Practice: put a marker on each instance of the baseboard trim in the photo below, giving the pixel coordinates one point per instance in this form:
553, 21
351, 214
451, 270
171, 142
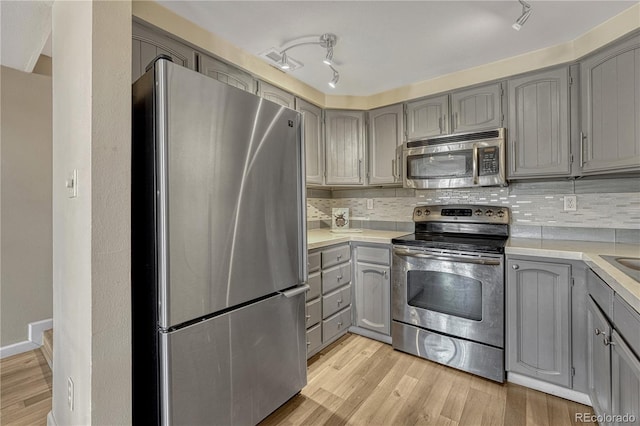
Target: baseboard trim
370, 334
51, 421
545, 387
35, 339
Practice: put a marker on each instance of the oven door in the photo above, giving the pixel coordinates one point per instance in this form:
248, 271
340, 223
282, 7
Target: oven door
457, 293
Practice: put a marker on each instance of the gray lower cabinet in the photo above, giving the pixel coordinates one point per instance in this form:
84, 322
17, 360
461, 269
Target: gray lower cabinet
275, 94
478, 108
610, 97
386, 131
427, 117
539, 320
313, 141
625, 380
226, 73
539, 125
329, 297
598, 359
344, 147
372, 286
146, 44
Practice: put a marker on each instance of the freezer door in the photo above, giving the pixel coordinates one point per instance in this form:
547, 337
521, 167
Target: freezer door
231, 196
237, 368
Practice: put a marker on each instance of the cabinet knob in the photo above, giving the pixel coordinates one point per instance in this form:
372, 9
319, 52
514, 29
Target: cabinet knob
308, 317
384, 274
606, 341
339, 302
515, 266
339, 256
308, 343
597, 331
339, 277
340, 324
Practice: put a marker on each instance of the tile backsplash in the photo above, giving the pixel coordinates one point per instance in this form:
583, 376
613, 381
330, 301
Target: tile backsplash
536, 207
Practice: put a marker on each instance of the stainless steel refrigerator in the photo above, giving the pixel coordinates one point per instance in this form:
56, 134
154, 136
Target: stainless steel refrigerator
218, 251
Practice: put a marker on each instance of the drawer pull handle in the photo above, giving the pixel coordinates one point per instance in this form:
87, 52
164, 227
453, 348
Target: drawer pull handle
308, 317
339, 302
339, 256
308, 343
339, 277
340, 324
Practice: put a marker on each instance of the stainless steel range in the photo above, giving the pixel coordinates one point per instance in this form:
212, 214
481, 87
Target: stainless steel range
448, 287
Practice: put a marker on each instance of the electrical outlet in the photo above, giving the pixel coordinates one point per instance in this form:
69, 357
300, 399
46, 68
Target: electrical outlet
369, 203
570, 203
70, 395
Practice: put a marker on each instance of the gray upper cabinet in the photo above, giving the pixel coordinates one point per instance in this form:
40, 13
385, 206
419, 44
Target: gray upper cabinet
373, 297
539, 320
274, 94
313, 141
385, 145
598, 359
477, 109
539, 125
344, 147
427, 117
610, 82
146, 44
226, 73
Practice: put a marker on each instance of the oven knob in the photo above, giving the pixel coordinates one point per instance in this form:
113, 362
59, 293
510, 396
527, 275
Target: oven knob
500, 213
489, 212
427, 212
478, 212
418, 212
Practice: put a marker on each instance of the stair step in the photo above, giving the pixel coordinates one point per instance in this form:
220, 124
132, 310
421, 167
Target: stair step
47, 347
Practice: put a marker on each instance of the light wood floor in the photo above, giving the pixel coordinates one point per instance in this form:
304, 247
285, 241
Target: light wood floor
358, 381
25, 389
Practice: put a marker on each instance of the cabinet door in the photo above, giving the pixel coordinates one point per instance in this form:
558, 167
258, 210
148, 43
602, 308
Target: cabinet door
539, 327
226, 73
274, 94
539, 125
598, 360
428, 117
385, 145
344, 147
147, 44
625, 380
477, 109
610, 109
373, 298
313, 141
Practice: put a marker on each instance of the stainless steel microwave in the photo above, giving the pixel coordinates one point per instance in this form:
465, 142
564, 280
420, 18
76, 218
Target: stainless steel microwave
456, 161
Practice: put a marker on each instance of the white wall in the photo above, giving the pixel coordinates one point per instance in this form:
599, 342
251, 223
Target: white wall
25, 254
91, 233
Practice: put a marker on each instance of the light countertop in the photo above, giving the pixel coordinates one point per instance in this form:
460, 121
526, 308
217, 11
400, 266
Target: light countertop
587, 251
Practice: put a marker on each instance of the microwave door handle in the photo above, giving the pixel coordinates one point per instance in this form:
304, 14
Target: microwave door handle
475, 261
475, 165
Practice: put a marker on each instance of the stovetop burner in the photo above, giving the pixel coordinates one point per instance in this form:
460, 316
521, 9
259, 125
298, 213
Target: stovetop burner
459, 227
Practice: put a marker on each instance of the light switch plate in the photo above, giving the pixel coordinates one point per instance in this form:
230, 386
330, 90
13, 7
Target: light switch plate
72, 184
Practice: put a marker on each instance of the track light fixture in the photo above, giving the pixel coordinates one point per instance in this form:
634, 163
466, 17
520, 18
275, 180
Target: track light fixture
336, 77
526, 12
326, 41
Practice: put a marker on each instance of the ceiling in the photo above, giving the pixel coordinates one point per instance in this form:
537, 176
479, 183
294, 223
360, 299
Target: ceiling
383, 45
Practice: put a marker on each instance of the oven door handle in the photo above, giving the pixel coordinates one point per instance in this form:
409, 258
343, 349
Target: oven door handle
475, 261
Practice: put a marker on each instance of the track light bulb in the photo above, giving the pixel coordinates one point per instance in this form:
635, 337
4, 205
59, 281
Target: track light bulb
526, 12
284, 62
334, 80
328, 60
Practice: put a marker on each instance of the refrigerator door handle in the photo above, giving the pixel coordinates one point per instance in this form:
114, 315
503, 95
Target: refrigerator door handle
295, 291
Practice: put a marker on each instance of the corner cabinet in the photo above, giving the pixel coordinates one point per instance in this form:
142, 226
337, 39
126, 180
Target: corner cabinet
225, 73
313, 141
386, 130
427, 117
478, 108
610, 109
373, 288
539, 125
344, 147
539, 320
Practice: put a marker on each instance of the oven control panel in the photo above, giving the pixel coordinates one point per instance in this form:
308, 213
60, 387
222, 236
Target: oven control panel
464, 213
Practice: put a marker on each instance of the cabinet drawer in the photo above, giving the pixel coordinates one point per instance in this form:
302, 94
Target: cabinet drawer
314, 338
313, 261
600, 292
336, 255
313, 312
333, 302
337, 324
627, 321
315, 285
379, 255
335, 277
